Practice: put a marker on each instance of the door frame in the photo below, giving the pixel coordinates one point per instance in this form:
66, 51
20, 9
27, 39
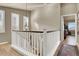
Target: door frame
62, 26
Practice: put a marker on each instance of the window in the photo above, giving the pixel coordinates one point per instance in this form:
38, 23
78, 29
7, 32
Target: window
71, 25
2, 21
15, 21
25, 23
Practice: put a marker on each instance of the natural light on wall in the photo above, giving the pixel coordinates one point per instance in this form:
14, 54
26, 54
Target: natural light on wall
2, 21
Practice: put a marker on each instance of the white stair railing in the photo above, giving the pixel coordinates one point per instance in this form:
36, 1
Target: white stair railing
35, 42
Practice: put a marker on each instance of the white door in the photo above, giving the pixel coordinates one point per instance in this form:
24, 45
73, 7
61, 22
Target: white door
62, 28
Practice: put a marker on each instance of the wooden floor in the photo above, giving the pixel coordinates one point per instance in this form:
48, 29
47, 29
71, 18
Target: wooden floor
6, 50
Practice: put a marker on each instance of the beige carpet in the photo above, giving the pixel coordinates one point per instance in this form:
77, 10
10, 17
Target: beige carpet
68, 50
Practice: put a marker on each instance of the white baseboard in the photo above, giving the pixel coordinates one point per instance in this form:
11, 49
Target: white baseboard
3, 43
58, 48
22, 52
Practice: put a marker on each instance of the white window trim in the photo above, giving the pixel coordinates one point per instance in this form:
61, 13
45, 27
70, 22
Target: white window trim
2, 11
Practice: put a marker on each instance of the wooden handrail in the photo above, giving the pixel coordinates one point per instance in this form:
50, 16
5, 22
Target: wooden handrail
52, 31
36, 31
28, 31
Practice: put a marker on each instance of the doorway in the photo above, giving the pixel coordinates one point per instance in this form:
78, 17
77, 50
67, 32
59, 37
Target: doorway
69, 29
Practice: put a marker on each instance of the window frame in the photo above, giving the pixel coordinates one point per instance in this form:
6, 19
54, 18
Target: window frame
12, 25
3, 18
25, 17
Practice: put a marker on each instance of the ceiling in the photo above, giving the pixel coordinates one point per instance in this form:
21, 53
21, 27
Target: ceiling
14, 5
32, 6
69, 18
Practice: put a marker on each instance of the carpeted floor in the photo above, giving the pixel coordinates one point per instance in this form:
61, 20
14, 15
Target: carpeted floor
68, 50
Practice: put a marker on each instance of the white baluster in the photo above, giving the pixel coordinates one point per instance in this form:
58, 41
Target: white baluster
44, 41
28, 41
25, 41
40, 47
16, 38
32, 41
38, 44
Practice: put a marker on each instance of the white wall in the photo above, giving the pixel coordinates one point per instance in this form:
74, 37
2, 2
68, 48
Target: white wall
6, 36
47, 17
68, 8
77, 6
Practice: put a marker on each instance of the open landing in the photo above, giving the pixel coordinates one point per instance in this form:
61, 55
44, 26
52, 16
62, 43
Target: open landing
69, 48
6, 50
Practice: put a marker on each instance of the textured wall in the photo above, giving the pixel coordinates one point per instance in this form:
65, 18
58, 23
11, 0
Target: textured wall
47, 17
68, 8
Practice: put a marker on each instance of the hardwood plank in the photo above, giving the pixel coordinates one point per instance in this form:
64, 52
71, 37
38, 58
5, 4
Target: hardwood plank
6, 50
